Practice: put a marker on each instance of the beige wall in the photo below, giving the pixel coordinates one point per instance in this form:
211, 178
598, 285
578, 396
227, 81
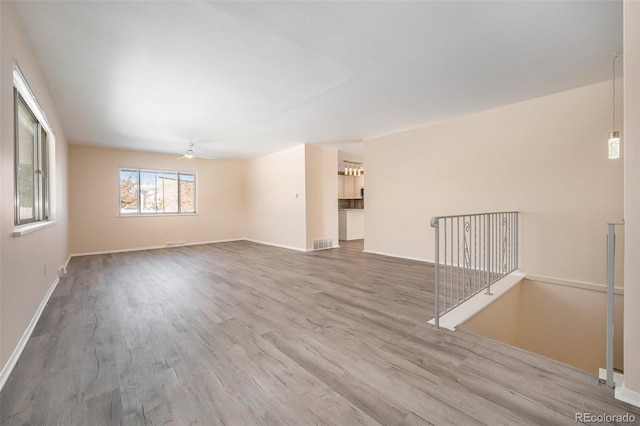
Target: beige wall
558, 321
569, 324
236, 199
276, 198
23, 282
93, 207
546, 158
631, 146
501, 319
321, 186
2, 155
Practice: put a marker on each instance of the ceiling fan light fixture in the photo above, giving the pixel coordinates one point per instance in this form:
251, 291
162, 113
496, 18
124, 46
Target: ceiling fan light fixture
189, 153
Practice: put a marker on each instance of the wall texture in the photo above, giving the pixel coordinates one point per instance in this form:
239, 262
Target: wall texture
569, 324
631, 146
546, 158
93, 206
321, 190
236, 199
501, 319
23, 280
561, 322
276, 199
3, 357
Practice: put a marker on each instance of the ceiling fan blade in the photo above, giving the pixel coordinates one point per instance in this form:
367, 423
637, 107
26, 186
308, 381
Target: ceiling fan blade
191, 154
207, 158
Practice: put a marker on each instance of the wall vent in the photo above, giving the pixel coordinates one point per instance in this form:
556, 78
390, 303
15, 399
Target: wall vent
323, 244
175, 243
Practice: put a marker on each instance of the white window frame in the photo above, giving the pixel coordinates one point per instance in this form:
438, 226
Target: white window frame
44, 154
139, 212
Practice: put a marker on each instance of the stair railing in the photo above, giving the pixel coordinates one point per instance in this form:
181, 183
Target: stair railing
611, 261
472, 252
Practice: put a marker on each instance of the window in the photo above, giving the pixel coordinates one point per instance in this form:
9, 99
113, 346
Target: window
32, 137
157, 192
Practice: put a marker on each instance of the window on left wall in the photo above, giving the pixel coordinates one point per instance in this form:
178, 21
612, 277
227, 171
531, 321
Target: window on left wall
33, 141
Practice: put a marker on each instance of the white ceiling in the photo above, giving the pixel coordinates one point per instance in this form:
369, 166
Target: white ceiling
242, 79
350, 152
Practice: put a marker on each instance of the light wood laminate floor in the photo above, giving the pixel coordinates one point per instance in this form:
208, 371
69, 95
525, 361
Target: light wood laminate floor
242, 334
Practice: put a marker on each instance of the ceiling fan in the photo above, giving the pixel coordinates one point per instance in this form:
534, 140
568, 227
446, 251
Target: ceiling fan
190, 154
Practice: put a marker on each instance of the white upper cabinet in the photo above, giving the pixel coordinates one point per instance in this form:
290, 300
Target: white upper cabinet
349, 186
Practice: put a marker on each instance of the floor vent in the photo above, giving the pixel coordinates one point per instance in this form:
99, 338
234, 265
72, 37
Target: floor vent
175, 244
323, 244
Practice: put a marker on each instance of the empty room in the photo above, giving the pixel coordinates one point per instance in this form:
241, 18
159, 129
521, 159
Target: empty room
319, 212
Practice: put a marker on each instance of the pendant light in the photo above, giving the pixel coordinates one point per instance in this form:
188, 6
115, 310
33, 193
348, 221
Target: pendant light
614, 136
352, 168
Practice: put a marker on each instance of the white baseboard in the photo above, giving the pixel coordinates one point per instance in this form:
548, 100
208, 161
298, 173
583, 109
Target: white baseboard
199, 243
276, 245
22, 343
627, 395
622, 393
398, 256
571, 283
91, 253
618, 378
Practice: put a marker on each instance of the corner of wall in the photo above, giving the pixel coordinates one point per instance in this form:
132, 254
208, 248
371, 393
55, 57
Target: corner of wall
321, 192
631, 158
276, 198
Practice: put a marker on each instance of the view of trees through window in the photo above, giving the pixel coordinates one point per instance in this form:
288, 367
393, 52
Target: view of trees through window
156, 192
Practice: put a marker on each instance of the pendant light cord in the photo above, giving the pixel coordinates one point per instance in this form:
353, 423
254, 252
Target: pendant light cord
613, 127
